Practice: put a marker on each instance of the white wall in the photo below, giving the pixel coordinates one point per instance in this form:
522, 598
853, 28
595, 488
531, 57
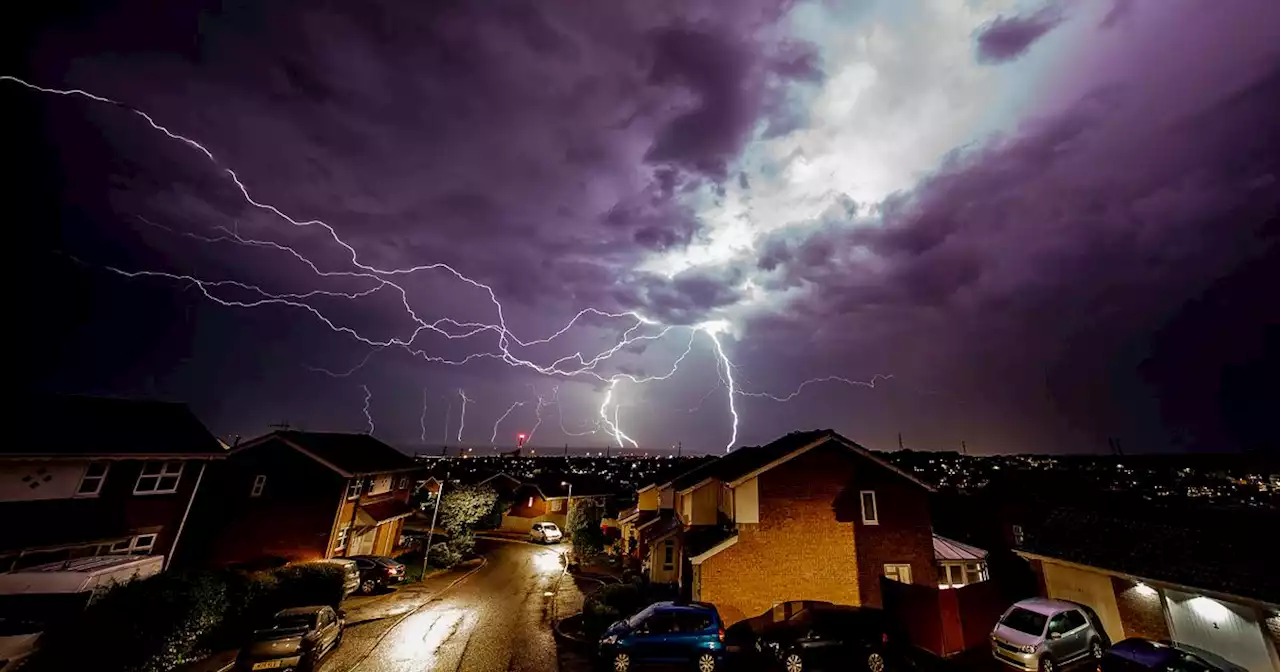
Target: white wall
1230, 630
746, 502
53, 479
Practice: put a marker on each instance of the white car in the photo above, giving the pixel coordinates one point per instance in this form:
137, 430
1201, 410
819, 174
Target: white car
546, 533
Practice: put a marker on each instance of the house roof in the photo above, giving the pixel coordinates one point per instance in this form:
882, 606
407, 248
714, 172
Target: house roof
385, 510
584, 485
347, 454
748, 461
78, 426
1223, 551
950, 549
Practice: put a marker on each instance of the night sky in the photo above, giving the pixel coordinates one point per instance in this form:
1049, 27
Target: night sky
1025, 226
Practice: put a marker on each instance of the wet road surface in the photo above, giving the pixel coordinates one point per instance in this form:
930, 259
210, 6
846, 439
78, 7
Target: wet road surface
497, 619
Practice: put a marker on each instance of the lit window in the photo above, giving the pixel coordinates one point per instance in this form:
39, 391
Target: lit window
900, 573
94, 476
404, 483
353, 488
341, 542
870, 514
158, 478
259, 482
530, 504
139, 545
557, 505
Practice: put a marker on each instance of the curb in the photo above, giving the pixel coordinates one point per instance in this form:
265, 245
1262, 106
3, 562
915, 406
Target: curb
563, 636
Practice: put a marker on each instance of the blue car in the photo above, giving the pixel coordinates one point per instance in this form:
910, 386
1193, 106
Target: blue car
666, 632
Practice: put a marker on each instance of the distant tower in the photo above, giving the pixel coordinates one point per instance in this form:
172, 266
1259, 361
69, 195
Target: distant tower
679, 448
900, 441
964, 450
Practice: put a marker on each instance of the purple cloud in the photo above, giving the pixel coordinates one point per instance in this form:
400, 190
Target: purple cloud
1008, 37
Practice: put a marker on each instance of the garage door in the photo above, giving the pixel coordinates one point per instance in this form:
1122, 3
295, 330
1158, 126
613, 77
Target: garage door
1094, 590
1227, 629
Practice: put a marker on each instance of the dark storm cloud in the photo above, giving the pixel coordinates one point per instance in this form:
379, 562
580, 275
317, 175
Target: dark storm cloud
685, 299
1008, 37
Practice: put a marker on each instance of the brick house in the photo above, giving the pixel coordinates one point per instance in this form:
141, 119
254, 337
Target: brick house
810, 516
306, 496
544, 498
97, 476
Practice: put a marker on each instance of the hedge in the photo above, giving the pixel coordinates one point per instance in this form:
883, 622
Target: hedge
156, 624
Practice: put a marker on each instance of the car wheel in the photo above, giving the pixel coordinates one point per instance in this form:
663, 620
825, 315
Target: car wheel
1046, 665
621, 662
875, 662
706, 663
793, 663
1096, 649
368, 587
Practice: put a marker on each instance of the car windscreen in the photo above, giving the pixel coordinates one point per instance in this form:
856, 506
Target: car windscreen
286, 626
550, 527
29, 613
1026, 621
639, 618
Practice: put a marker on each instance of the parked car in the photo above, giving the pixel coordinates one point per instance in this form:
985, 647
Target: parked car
1045, 634
546, 533
1143, 655
666, 632
828, 637
36, 598
295, 641
350, 574
378, 572
742, 636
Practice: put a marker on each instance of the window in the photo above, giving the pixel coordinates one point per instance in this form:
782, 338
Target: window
1075, 620
557, 505
974, 572
660, 623
669, 555
94, 476
530, 504
353, 488
139, 545
1058, 625
259, 482
900, 573
341, 542
870, 515
1017, 535
691, 622
404, 483
158, 478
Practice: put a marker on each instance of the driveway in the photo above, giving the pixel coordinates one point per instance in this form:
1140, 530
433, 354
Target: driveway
497, 619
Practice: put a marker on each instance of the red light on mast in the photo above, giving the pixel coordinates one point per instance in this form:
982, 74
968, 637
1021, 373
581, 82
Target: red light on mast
520, 440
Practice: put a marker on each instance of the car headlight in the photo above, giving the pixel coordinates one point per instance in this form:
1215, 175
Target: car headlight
1027, 648
610, 639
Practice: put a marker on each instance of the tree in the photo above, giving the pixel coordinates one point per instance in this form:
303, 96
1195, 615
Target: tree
584, 528
464, 506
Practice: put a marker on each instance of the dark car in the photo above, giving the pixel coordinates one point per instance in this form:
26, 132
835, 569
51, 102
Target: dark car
821, 636
295, 641
1143, 655
378, 572
689, 633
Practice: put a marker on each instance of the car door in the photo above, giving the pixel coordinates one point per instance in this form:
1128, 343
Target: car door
652, 641
1059, 647
822, 643
1078, 633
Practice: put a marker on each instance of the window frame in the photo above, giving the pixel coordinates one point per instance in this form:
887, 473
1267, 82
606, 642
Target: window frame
340, 540
874, 519
897, 568
557, 505
159, 477
403, 483
355, 487
99, 479
259, 484
1059, 617
668, 555
135, 545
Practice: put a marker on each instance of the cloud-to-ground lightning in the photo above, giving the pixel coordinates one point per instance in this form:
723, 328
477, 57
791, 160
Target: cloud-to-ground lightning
462, 419
448, 415
422, 419
368, 397
537, 410
574, 365
494, 439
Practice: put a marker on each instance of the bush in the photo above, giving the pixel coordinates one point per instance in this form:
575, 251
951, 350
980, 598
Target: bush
443, 556
151, 625
463, 542
155, 624
610, 604
584, 528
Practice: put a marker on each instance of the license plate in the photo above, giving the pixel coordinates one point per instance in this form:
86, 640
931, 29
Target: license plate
268, 664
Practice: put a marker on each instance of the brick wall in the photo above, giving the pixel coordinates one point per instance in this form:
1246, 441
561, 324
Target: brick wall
798, 550
904, 534
1140, 612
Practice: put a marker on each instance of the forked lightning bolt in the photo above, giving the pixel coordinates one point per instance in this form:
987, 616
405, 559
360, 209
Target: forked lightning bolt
493, 440
368, 396
576, 364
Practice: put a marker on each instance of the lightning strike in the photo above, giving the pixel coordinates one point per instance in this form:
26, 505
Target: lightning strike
368, 396
422, 419
825, 379
462, 420
569, 366
493, 440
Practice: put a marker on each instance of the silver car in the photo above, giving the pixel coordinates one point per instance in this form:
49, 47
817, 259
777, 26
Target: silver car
1042, 635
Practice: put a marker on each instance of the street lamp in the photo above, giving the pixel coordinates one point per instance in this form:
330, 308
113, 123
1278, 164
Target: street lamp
568, 516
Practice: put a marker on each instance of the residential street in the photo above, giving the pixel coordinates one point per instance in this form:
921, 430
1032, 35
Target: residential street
499, 619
